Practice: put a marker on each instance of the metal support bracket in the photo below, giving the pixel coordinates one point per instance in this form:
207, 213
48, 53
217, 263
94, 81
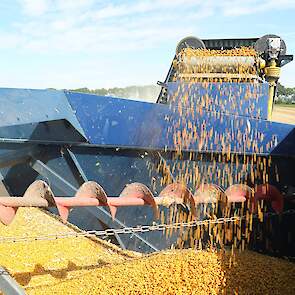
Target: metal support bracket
8, 285
17, 156
81, 178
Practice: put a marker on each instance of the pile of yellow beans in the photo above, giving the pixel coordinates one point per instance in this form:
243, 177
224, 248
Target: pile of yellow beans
179, 272
242, 51
48, 262
79, 265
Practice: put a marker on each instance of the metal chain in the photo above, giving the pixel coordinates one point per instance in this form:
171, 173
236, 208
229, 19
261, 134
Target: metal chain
125, 230
132, 230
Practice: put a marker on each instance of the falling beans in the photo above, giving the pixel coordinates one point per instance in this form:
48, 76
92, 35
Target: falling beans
226, 167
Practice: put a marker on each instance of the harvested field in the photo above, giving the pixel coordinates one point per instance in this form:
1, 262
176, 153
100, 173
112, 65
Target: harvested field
284, 114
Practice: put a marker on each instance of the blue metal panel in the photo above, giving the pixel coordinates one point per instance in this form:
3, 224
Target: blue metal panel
23, 106
113, 121
287, 146
49, 131
70, 189
245, 99
122, 122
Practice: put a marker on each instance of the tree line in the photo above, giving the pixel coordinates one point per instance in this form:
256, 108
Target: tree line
147, 92
151, 92
285, 91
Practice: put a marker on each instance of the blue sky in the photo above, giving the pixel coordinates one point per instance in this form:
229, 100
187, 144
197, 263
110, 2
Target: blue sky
92, 43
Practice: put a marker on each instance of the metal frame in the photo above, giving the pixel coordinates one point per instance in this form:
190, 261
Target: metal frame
17, 156
8, 285
33, 153
70, 189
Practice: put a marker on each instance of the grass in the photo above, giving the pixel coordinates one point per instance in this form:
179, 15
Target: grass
284, 105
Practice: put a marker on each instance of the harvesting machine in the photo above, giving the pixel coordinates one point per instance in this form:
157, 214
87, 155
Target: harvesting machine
104, 162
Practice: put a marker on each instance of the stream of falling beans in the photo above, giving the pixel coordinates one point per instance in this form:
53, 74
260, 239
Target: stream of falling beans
225, 167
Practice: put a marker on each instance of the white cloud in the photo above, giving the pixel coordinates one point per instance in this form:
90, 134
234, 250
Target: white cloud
112, 10
70, 5
35, 7
102, 29
9, 41
238, 7
83, 26
89, 25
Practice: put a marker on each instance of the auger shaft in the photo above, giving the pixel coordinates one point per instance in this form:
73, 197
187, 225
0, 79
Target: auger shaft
77, 202
111, 201
23, 202
91, 193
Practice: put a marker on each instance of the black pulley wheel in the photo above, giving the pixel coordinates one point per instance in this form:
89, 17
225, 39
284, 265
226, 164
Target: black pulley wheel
190, 42
261, 44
